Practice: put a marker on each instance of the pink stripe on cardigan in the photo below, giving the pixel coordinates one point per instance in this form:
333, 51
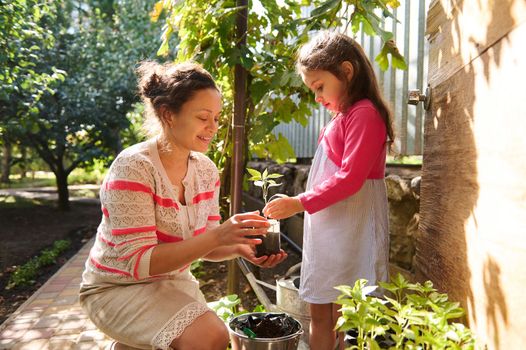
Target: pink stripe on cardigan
164, 237
130, 230
126, 257
199, 231
125, 185
203, 196
109, 269
136, 268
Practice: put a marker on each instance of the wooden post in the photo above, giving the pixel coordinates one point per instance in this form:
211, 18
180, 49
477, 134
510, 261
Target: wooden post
238, 132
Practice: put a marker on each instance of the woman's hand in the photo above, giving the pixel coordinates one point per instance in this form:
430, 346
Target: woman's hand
248, 252
239, 228
283, 207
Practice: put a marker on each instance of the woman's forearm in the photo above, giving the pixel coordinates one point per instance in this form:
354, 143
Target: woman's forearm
223, 253
172, 256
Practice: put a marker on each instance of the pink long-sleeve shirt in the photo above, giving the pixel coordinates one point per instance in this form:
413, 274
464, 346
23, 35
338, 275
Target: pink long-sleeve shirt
356, 143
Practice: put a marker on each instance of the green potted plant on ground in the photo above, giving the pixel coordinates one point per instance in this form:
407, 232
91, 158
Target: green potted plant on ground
410, 316
271, 241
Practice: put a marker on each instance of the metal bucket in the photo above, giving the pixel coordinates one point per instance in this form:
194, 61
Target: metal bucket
289, 301
241, 341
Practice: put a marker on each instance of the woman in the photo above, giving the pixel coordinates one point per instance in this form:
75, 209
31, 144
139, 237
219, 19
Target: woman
160, 213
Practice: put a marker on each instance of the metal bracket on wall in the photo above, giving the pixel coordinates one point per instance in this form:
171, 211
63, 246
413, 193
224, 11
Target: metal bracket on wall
414, 97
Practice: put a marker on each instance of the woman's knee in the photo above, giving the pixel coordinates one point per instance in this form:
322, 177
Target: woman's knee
206, 332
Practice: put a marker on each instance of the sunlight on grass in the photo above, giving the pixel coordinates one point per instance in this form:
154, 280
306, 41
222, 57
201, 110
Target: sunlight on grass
406, 160
19, 202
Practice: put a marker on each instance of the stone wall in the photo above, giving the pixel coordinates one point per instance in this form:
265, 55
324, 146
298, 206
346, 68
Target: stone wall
403, 189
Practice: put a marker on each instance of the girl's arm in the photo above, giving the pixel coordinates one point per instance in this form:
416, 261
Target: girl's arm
364, 139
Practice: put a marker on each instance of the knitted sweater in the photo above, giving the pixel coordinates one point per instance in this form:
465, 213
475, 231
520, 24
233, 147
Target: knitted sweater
141, 210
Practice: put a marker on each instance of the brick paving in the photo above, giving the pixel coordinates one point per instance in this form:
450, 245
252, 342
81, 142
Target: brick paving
52, 317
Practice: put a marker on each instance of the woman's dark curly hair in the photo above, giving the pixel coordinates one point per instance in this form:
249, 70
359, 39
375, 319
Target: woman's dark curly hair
170, 85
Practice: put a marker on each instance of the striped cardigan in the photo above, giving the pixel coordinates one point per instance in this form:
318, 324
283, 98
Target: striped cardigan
141, 210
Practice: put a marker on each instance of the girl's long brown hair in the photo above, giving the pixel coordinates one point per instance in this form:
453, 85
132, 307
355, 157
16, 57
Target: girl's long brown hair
327, 51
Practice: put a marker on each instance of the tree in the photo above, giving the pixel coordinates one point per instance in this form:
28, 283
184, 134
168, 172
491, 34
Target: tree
23, 77
83, 118
205, 32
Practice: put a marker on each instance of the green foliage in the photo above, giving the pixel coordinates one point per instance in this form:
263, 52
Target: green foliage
413, 160
205, 31
197, 268
96, 45
415, 316
15, 202
92, 174
25, 37
26, 274
227, 307
263, 180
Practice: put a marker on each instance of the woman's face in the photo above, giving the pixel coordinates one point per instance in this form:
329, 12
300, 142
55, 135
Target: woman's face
328, 89
194, 126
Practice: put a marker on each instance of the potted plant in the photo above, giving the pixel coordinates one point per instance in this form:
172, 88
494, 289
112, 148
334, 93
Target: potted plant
410, 316
271, 241
258, 329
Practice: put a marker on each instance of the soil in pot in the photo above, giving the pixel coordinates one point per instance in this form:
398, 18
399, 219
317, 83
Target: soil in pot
265, 325
271, 242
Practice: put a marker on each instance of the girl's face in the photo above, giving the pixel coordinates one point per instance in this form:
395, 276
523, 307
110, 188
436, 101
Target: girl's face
330, 91
194, 126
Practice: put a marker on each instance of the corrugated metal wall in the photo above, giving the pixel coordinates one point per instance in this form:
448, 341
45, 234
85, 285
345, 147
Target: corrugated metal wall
409, 35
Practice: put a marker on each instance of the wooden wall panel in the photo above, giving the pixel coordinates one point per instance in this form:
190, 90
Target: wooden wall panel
462, 30
472, 240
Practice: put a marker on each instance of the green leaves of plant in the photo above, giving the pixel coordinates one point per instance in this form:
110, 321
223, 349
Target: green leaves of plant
416, 317
263, 180
226, 307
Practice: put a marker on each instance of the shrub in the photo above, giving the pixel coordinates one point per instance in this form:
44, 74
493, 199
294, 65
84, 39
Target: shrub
26, 274
415, 316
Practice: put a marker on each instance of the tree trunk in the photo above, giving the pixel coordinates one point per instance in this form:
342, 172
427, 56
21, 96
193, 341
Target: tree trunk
23, 162
6, 159
62, 187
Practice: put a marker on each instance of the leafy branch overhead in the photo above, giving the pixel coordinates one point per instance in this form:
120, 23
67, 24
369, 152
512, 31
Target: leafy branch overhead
363, 14
205, 32
263, 180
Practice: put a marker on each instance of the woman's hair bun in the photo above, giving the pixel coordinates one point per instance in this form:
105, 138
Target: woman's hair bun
151, 83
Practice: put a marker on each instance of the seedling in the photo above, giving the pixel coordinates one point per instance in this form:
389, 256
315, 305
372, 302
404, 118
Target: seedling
271, 243
264, 180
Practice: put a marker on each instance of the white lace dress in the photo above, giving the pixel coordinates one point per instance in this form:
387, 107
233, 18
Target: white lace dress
140, 211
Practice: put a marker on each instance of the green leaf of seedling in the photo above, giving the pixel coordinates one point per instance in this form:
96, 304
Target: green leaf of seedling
274, 176
254, 173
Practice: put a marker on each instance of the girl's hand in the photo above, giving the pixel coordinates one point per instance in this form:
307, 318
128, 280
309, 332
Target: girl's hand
248, 252
283, 207
239, 228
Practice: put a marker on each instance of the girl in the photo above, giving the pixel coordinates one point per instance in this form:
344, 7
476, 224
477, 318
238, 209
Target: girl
161, 212
346, 233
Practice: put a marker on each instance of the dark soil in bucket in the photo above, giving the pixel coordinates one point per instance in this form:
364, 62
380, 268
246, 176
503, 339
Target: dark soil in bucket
265, 325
